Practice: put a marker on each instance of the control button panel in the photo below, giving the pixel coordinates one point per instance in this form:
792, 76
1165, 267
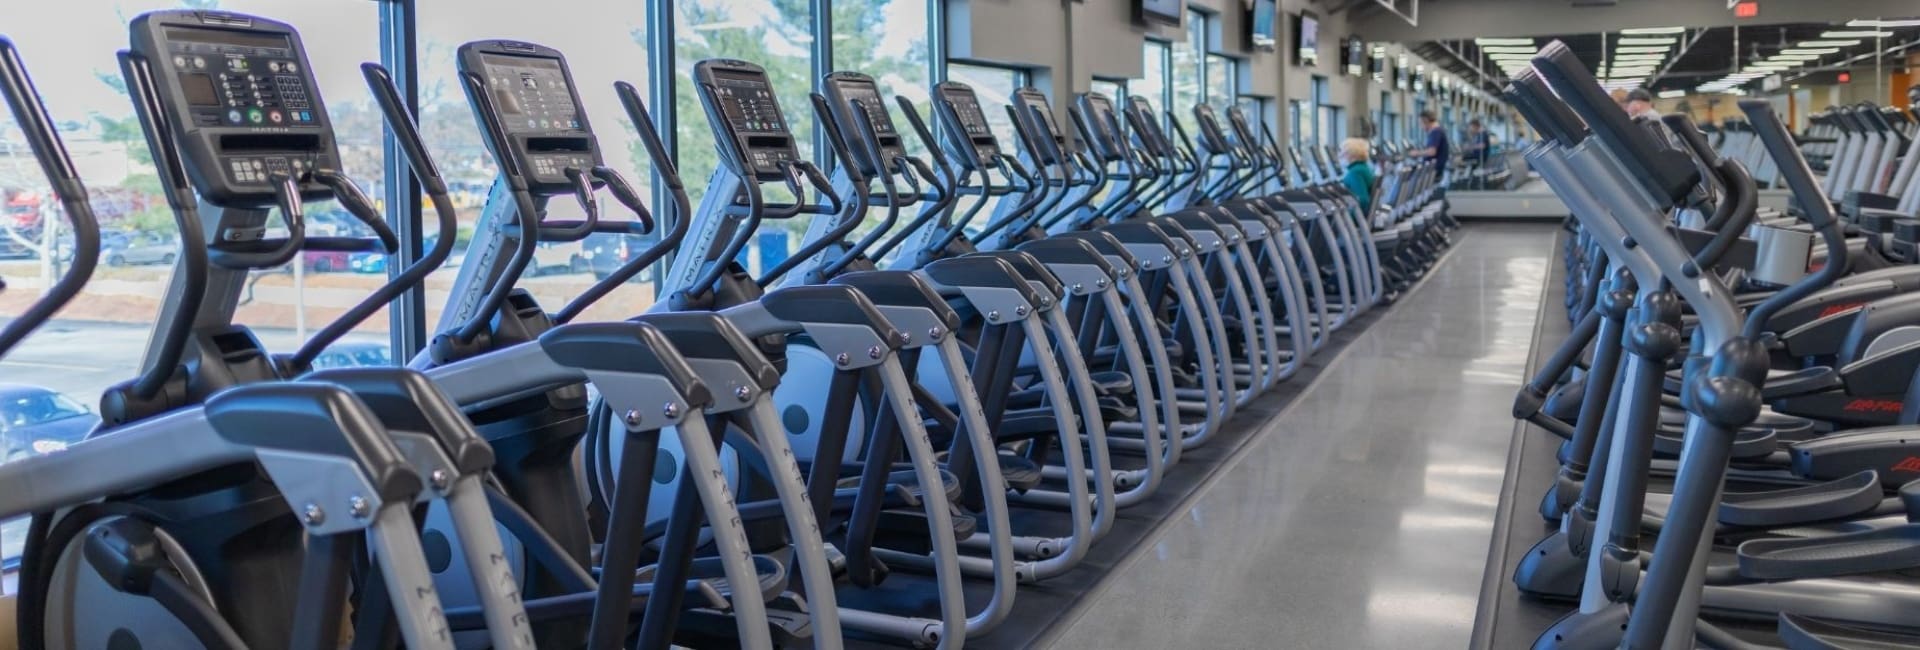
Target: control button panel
241, 79
973, 122
747, 103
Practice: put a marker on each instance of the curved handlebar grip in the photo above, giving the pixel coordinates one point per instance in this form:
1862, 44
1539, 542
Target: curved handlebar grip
575, 231
400, 123
267, 253
623, 192
31, 114
926, 136
138, 74
1793, 167
348, 194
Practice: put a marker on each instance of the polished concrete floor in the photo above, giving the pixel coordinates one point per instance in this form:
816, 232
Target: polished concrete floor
1359, 517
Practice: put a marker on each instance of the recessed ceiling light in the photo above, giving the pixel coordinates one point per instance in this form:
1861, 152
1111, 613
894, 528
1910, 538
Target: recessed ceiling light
1504, 41
1864, 33
1654, 30
1870, 22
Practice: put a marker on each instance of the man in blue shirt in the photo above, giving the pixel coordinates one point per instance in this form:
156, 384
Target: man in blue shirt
1479, 143
1438, 149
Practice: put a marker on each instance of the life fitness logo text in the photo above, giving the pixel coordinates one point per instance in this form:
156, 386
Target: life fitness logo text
1864, 405
1911, 465
1840, 308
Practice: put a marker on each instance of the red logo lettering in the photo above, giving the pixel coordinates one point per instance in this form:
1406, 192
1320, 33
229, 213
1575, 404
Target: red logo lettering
1864, 405
1840, 308
1910, 465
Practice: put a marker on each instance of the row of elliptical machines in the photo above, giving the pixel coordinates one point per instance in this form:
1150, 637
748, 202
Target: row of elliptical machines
751, 462
1735, 395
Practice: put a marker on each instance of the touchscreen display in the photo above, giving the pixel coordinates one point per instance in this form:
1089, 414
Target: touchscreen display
531, 93
747, 102
869, 99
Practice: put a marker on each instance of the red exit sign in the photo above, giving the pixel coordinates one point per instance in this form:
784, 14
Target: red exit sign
1746, 9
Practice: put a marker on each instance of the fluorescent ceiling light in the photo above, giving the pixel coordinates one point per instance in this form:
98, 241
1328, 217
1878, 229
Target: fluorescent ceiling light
1814, 51
1509, 49
1795, 57
1504, 41
1844, 43
1869, 22
1862, 33
1655, 30
1641, 49
1670, 94
1648, 41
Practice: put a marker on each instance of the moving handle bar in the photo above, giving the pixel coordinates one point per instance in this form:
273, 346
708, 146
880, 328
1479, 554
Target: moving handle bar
31, 113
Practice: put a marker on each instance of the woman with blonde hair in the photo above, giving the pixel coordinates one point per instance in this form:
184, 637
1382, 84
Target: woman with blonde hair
1360, 175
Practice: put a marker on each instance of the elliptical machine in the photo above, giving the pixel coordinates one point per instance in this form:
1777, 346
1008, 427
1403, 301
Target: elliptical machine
254, 496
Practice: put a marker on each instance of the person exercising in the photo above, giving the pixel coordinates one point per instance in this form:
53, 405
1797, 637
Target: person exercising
1640, 105
1360, 175
1479, 143
1438, 149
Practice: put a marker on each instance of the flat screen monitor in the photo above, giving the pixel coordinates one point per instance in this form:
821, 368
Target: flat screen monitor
1164, 12
1264, 25
1354, 56
1307, 36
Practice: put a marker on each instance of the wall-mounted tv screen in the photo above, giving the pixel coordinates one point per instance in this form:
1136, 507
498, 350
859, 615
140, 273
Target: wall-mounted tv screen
1354, 56
1306, 36
1263, 24
1377, 66
1401, 74
1163, 12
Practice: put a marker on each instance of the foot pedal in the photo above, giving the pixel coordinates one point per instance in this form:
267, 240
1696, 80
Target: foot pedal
1836, 499
1020, 473
1872, 551
1803, 633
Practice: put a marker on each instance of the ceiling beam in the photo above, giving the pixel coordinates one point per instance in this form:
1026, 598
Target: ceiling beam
1688, 45
1484, 81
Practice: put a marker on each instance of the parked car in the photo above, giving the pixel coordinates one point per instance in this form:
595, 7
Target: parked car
35, 421
325, 261
367, 262
144, 248
605, 252
557, 258
354, 354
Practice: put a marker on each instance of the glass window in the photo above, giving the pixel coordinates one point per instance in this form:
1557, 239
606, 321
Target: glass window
1154, 69
609, 48
775, 35
995, 87
99, 339
1220, 81
1302, 122
888, 40
1187, 74
1115, 90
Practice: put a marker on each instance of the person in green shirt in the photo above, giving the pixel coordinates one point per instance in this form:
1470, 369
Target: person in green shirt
1360, 175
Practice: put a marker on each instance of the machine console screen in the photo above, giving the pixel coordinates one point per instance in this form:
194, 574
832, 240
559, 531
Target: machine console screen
973, 122
532, 94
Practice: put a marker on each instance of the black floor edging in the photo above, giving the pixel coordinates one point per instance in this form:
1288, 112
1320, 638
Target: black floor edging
1506, 618
1039, 608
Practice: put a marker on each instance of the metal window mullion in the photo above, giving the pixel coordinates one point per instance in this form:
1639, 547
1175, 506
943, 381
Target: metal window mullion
662, 93
822, 65
399, 52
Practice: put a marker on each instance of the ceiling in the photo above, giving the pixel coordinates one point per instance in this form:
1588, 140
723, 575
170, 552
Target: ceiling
1704, 55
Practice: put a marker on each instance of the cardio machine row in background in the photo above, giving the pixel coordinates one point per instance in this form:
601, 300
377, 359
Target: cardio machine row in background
1738, 460
919, 418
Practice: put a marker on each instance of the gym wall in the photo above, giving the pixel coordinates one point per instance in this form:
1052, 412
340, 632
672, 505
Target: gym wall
1066, 43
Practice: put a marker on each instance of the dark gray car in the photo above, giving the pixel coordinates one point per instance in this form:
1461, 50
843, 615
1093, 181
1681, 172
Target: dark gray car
36, 421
